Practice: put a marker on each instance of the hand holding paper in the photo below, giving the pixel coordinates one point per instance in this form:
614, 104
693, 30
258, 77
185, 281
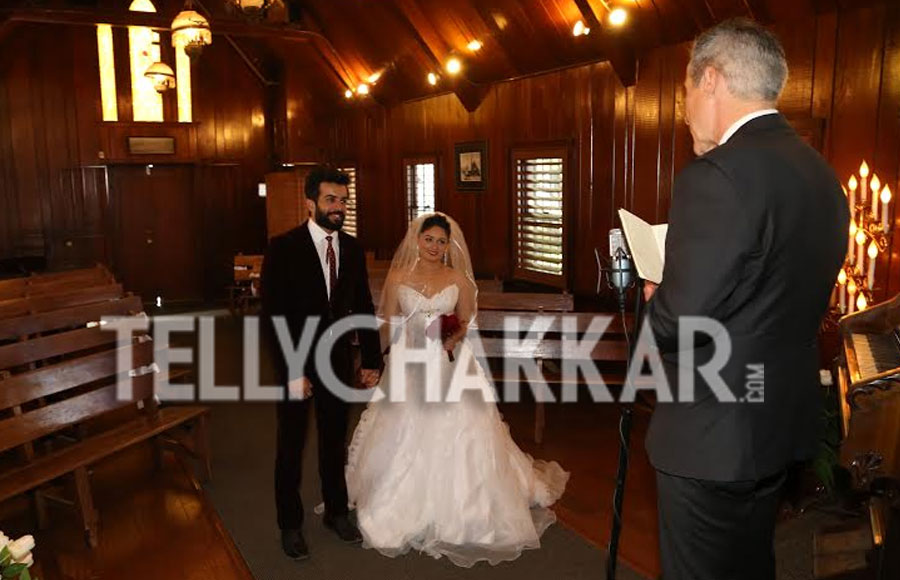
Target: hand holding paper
647, 245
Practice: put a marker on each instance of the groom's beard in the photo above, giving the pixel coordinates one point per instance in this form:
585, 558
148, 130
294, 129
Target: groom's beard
330, 221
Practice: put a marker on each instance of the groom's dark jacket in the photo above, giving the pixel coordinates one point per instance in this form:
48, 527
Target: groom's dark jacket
293, 286
757, 233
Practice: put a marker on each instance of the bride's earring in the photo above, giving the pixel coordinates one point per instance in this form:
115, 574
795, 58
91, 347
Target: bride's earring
444, 258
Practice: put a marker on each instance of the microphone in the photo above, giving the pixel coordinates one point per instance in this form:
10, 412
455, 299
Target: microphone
621, 272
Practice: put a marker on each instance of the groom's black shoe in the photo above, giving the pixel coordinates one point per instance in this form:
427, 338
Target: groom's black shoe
343, 527
294, 545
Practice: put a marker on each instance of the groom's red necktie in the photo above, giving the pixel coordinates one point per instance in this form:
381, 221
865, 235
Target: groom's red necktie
332, 269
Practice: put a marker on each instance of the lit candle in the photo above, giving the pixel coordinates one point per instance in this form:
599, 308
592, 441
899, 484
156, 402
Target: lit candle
851, 290
860, 243
861, 302
876, 186
853, 185
864, 173
873, 255
885, 214
842, 291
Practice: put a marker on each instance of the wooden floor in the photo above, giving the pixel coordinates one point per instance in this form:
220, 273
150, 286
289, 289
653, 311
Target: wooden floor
583, 438
153, 525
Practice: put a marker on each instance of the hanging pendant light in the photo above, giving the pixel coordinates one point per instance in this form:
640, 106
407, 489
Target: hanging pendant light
253, 9
162, 76
190, 31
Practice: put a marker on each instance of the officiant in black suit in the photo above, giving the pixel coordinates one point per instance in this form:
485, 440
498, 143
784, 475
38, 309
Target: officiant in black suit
757, 234
317, 270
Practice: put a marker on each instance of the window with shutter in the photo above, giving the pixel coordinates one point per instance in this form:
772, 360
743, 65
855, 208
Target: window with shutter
539, 182
350, 218
420, 175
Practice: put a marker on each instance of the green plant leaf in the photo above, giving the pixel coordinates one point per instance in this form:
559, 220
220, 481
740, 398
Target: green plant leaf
14, 570
26, 575
5, 556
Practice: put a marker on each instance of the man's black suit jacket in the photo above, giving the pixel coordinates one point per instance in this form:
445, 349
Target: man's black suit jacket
293, 286
757, 234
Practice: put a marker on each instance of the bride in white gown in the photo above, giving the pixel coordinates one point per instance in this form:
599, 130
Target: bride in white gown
445, 477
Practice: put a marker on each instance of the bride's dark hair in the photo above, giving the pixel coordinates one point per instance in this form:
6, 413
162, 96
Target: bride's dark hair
436, 220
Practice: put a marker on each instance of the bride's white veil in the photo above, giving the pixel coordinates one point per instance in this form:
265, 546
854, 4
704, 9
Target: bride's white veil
407, 257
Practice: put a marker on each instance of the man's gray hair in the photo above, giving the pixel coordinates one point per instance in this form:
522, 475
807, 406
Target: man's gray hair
749, 57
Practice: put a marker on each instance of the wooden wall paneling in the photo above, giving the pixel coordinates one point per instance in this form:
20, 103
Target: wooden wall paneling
857, 86
28, 153
887, 156
123, 75
88, 108
647, 127
9, 212
799, 42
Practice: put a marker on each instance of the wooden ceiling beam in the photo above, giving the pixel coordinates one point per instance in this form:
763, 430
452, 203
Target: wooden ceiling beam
434, 47
234, 28
618, 51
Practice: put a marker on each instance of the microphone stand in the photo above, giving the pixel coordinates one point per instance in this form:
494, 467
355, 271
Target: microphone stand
621, 279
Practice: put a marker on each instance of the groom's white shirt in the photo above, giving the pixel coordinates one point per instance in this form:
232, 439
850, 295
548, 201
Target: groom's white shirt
318, 237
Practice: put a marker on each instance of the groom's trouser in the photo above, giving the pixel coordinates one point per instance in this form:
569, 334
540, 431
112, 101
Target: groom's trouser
712, 530
331, 423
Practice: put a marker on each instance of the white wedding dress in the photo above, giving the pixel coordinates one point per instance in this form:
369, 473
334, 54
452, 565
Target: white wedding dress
445, 478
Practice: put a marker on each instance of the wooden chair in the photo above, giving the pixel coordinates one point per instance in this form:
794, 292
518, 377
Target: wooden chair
245, 291
611, 350
76, 387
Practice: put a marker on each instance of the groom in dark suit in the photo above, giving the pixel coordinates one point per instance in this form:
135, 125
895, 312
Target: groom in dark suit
757, 234
317, 270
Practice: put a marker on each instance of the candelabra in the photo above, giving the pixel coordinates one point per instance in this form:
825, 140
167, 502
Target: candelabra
870, 214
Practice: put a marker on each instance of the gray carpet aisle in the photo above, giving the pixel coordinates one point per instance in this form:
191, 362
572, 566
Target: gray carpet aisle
243, 437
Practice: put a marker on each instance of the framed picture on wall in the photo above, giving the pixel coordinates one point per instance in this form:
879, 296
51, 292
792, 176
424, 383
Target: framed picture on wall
471, 166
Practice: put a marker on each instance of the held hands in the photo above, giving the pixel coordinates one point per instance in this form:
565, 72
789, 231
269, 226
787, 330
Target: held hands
649, 290
299, 389
369, 377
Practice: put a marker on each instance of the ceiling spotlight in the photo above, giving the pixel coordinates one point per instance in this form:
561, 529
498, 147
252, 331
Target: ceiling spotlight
453, 66
373, 78
618, 16
348, 94
432, 79
362, 89
474, 46
580, 29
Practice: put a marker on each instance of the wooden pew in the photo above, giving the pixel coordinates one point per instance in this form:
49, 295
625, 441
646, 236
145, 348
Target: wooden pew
76, 386
611, 350
526, 301
245, 290
54, 282
64, 298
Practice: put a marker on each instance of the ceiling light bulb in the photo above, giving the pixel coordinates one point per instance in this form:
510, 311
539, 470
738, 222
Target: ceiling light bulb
432, 79
348, 94
618, 16
474, 46
578, 29
362, 89
454, 65
373, 78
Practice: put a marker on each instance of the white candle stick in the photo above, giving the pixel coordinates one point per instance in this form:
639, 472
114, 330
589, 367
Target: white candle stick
859, 255
843, 298
876, 187
871, 278
885, 212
